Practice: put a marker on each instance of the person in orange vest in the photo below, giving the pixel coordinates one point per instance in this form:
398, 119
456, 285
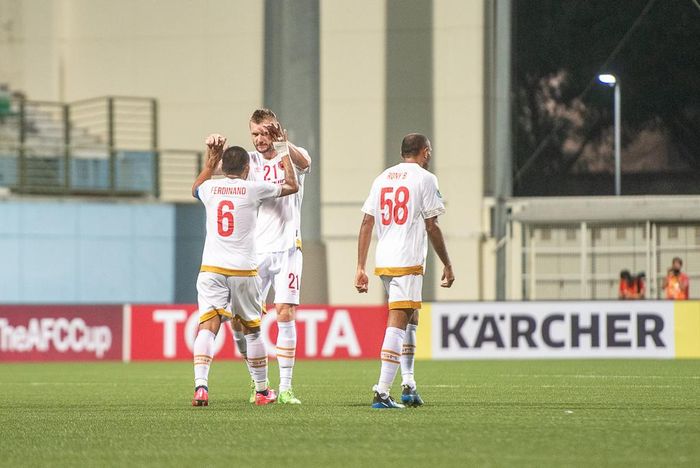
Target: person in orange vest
641, 281
631, 287
676, 282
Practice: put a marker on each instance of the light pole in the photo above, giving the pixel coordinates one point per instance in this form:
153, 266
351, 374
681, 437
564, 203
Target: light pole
611, 80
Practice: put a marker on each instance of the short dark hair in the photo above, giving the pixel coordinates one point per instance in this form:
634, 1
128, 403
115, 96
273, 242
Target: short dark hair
413, 143
234, 160
261, 115
679, 259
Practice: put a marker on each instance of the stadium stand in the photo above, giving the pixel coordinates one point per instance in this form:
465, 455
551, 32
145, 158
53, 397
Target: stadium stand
100, 146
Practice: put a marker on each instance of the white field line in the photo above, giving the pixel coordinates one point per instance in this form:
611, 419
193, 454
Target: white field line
584, 376
491, 385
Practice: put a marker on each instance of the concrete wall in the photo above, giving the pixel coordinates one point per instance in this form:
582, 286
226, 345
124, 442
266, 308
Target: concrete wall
356, 95
458, 68
201, 60
86, 252
353, 103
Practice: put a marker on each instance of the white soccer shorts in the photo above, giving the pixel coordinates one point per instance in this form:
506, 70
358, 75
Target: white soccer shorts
405, 292
229, 295
282, 271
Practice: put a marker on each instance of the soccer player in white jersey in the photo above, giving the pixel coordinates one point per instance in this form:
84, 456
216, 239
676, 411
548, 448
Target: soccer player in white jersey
227, 284
402, 208
278, 237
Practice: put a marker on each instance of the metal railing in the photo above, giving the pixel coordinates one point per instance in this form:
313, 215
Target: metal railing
99, 146
584, 260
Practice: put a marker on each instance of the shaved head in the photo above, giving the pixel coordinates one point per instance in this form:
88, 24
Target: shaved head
413, 143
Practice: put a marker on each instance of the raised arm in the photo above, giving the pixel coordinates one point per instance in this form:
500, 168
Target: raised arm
280, 134
438, 241
291, 181
298, 157
215, 149
363, 242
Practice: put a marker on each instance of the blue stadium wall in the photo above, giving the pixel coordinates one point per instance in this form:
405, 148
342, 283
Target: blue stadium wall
75, 252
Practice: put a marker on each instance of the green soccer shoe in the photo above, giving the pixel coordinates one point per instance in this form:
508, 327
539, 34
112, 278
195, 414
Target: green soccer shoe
287, 398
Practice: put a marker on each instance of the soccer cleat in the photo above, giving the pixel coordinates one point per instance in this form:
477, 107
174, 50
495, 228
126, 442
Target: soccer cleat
251, 399
287, 398
201, 396
385, 402
410, 396
261, 399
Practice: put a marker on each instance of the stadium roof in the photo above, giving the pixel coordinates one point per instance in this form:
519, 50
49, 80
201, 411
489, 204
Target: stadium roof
605, 209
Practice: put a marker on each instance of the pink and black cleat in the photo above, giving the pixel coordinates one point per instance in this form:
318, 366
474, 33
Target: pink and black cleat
201, 396
266, 397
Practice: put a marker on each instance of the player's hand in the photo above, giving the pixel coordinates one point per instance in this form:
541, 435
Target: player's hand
361, 281
215, 149
276, 132
215, 142
448, 277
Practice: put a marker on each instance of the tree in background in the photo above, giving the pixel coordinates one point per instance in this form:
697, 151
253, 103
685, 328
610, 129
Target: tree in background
563, 119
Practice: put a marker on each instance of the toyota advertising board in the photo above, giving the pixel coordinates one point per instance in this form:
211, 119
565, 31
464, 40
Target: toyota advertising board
323, 332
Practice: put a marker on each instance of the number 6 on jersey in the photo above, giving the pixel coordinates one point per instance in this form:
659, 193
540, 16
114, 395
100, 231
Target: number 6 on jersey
221, 216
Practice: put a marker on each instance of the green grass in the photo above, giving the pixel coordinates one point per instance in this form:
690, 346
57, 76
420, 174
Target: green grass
485, 413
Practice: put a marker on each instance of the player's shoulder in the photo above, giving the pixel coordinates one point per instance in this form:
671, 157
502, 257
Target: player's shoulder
420, 170
390, 170
203, 189
411, 171
425, 174
208, 183
262, 188
254, 156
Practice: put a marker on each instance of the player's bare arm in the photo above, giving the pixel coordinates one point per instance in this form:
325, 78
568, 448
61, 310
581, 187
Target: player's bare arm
215, 149
363, 242
277, 131
438, 242
291, 181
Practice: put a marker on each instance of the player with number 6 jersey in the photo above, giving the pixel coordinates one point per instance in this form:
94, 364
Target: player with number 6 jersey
227, 284
402, 207
278, 236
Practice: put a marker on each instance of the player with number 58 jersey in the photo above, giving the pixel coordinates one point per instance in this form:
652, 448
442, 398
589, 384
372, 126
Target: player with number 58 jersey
402, 207
401, 198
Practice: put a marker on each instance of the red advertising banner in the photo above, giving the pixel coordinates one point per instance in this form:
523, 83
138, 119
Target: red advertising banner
323, 332
60, 333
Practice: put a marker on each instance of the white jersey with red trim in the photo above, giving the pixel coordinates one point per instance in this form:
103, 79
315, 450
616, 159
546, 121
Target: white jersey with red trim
279, 220
232, 214
401, 198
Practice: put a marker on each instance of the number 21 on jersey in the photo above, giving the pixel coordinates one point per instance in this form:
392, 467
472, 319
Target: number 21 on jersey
224, 218
394, 205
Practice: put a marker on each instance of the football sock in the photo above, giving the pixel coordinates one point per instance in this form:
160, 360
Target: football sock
408, 356
390, 356
203, 354
286, 350
242, 345
257, 360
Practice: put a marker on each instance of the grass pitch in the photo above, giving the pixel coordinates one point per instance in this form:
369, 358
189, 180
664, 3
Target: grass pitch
484, 413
